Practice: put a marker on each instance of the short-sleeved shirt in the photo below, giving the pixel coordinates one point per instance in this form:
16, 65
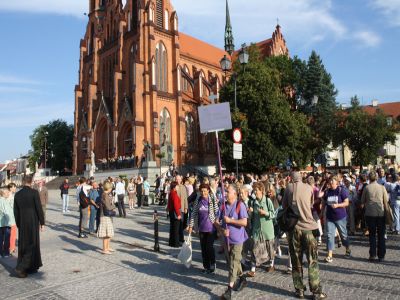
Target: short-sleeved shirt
237, 234
205, 224
336, 196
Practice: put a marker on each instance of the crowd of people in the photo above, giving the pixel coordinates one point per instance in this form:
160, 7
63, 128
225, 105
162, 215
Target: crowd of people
242, 213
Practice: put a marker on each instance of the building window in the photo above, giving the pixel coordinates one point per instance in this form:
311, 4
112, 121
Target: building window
160, 10
165, 127
186, 87
132, 69
211, 146
166, 14
129, 21
161, 68
205, 92
190, 132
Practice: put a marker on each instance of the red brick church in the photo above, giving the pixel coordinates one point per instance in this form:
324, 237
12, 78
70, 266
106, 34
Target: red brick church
141, 79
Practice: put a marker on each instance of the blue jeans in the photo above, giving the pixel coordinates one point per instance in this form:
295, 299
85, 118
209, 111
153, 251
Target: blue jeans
340, 225
396, 215
65, 199
5, 233
93, 217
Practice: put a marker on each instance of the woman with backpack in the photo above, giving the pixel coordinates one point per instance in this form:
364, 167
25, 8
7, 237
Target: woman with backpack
262, 216
205, 209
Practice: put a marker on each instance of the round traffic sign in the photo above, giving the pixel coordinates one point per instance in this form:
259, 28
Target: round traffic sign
237, 135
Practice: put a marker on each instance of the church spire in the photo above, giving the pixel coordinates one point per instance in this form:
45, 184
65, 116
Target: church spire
229, 43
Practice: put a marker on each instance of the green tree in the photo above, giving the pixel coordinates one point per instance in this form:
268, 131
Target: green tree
57, 137
317, 85
272, 132
363, 133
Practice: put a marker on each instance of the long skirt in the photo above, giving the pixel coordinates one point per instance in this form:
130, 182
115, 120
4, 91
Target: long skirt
174, 231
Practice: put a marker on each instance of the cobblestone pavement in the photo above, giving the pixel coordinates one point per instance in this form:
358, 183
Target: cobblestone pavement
75, 269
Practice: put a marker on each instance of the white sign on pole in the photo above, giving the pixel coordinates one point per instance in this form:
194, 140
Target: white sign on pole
237, 147
237, 151
216, 117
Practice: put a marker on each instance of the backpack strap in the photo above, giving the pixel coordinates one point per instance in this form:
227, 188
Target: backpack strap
238, 207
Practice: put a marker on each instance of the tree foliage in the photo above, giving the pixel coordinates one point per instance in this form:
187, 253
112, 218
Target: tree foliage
272, 131
363, 133
57, 138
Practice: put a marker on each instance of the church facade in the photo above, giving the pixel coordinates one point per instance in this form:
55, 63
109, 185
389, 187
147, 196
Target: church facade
141, 80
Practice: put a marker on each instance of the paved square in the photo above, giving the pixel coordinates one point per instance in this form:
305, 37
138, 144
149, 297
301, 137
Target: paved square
75, 269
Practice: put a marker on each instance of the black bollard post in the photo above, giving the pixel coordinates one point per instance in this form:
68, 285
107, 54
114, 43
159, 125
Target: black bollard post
156, 243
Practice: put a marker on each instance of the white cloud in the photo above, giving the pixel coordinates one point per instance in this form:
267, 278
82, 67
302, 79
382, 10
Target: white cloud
10, 79
367, 38
301, 20
390, 8
18, 90
33, 112
61, 7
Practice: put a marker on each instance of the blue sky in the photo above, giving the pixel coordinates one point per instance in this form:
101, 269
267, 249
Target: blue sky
358, 40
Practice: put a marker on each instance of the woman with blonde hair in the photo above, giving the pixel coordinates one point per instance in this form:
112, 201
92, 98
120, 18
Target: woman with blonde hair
106, 228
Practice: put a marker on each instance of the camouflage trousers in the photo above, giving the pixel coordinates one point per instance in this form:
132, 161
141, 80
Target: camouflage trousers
301, 241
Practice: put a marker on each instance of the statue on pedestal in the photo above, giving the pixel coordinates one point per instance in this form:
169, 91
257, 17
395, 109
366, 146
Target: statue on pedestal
147, 151
93, 164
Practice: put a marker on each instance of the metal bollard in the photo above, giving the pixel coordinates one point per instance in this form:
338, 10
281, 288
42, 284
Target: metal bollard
156, 242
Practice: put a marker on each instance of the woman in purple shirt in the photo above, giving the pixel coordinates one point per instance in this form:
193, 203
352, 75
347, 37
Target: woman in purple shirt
204, 213
336, 200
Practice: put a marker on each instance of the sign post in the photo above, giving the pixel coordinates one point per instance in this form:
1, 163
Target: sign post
214, 118
237, 148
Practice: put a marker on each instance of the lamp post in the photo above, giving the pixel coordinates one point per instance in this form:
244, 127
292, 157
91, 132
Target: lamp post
226, 65
45, 148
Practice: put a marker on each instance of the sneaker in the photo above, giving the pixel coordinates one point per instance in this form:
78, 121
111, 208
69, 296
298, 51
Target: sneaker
289, 271
228, 294
372, 259
319, 296
82, 236
299, 294
328, 259
242, 283
381, 259
339, 244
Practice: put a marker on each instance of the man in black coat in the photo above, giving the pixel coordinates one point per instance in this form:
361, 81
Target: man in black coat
29, 219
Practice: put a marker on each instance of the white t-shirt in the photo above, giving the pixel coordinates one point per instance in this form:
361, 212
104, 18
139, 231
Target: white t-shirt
120, 188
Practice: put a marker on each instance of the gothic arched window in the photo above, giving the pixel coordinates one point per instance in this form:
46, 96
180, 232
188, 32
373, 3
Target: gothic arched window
132, 66
161, 68
186, 87
190, 132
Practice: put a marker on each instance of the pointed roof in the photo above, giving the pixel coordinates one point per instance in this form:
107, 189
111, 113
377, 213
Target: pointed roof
229, 41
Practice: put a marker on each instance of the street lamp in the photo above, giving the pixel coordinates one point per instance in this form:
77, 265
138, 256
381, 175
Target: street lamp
45, 148
226, 64
243, 55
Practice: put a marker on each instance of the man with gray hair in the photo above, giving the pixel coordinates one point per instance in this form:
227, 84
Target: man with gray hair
375, 201
300, 197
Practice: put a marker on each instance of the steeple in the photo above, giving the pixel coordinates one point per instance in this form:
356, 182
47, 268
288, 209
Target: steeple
229, 43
